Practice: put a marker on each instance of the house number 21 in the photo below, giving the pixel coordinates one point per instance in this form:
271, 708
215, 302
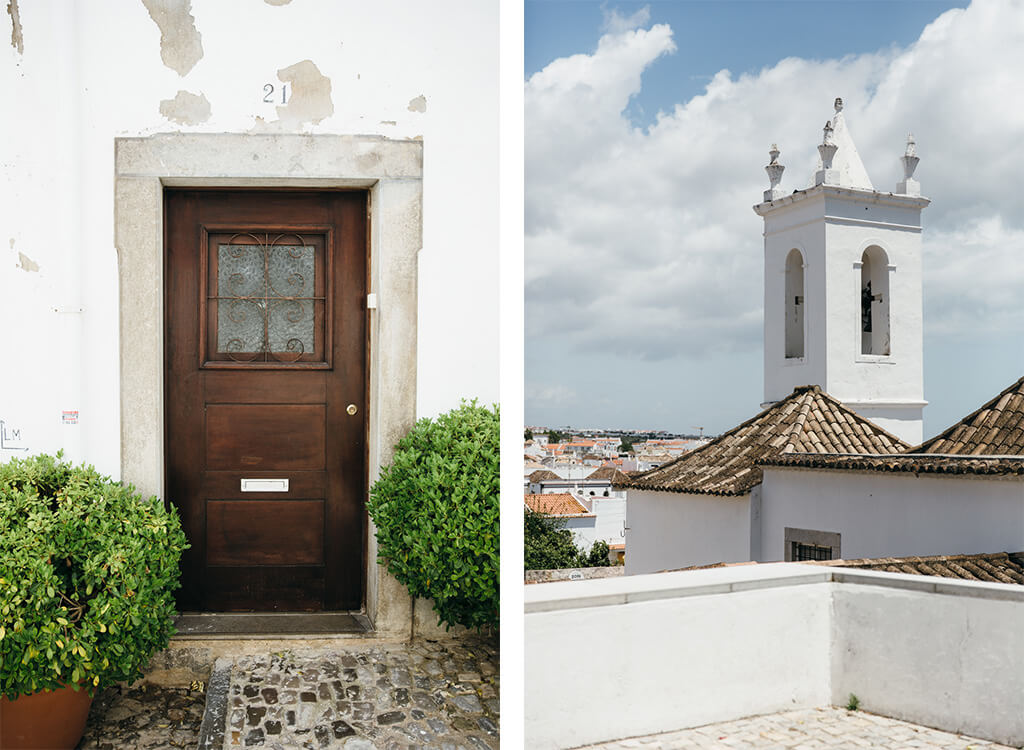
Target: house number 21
268, 93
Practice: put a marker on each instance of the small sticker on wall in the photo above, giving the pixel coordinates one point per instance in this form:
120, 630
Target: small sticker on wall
69, 417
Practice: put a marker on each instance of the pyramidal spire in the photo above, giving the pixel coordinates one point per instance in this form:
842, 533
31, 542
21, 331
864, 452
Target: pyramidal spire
846, 169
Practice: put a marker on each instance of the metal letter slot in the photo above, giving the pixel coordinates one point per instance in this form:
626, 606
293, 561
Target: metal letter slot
264, 485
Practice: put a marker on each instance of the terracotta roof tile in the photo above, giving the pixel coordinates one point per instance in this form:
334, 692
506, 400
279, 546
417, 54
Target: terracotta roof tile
542, 475
556, 504
989, 441
808, 420
609, 472
999, 567
993, 430
907, 462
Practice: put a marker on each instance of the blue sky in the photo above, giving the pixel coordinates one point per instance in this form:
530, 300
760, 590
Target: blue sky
643, 257
741, 35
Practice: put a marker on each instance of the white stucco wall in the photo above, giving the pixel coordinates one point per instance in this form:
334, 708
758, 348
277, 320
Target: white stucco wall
582, 528
669, 530
92, 70
685, 649
881, 514
954, 661
611, 519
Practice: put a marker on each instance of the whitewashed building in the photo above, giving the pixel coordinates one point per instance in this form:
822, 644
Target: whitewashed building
707, 506
961, 492
827, 470
151, 150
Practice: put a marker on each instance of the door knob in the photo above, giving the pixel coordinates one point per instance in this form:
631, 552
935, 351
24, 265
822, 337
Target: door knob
352, 409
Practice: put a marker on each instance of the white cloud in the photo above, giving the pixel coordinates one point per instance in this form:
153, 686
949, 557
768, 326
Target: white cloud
616, 23
545, 395
642, 242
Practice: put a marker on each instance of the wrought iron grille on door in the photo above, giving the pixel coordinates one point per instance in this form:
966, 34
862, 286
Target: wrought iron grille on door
266, 300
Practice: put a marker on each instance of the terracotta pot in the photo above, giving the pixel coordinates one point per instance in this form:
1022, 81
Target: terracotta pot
44, 721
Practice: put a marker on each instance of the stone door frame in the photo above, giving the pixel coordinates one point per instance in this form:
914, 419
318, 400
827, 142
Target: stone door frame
392, 173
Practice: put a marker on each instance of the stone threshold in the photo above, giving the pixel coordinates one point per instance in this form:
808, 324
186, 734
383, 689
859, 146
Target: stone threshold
278, 625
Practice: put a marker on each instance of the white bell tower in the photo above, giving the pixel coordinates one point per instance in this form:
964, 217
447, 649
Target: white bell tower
842, 286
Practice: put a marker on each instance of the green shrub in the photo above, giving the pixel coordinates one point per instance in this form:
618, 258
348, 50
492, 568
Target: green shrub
87, 571
436, 510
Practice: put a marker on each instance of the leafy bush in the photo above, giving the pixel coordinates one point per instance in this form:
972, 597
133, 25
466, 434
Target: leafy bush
87, 569
436, 510
547, 545
597, 557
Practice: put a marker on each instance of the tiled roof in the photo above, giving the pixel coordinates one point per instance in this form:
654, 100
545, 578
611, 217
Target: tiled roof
609, 472
806, 421
907, 462
989, 441
543, 474
999, 567
996, 429
556, 504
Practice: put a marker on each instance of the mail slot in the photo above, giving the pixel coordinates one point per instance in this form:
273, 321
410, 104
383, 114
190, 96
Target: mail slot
264, 485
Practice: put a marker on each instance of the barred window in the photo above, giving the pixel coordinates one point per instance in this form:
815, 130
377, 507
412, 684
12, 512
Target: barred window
800, 552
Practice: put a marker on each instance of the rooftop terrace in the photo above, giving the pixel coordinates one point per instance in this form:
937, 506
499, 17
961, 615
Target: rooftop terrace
675, 651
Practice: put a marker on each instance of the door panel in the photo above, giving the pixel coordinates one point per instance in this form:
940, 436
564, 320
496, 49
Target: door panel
264, 436
265, 348
245, 532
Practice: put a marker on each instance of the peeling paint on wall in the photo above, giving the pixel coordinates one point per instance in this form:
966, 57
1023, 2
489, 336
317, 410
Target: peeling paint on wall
25, 263
16, 39
186, 108
310, 99
419, 104
181, 44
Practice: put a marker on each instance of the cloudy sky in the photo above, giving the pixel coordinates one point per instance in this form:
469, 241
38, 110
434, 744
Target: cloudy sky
647, 132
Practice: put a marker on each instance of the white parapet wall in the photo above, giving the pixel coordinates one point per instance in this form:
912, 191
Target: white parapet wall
656, 653
946, 654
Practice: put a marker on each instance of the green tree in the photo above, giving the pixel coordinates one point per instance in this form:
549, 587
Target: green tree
548, 545
554, 436
527, 434
624, 445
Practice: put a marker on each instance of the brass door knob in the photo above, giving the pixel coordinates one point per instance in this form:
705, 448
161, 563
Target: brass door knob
352, 409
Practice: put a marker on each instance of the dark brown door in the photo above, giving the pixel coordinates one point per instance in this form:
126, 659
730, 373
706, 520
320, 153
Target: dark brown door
265, 395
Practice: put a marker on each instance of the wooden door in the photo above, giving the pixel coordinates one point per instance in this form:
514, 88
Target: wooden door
265, 396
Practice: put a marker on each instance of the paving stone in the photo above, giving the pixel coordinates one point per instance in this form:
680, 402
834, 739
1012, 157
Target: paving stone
810, 729
427, 694
138, 718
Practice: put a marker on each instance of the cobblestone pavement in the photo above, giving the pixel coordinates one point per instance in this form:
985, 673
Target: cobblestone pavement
436, 694
144, 718
827, 728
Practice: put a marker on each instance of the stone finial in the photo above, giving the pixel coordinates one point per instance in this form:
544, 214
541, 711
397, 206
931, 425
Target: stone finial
827, 175
909, 186
910, 158
838, 104
828, 131
774, 170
